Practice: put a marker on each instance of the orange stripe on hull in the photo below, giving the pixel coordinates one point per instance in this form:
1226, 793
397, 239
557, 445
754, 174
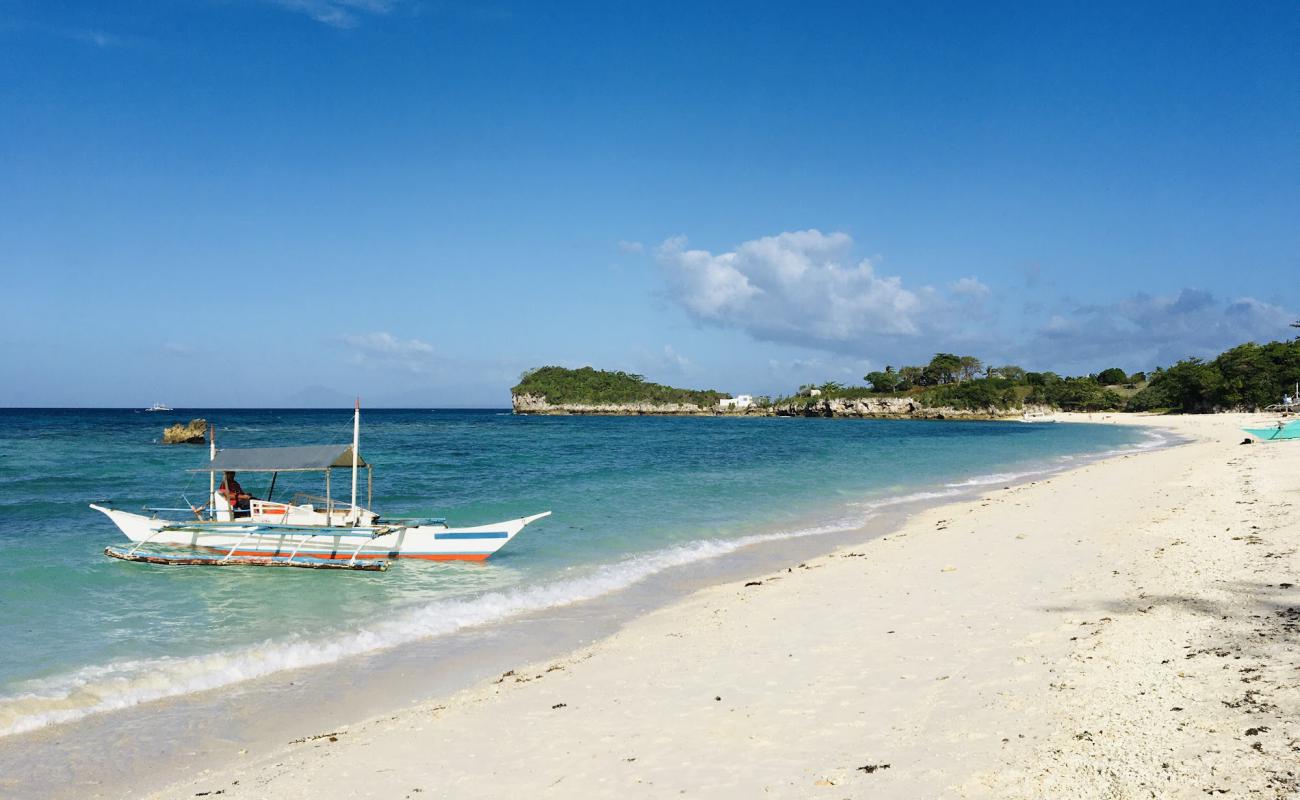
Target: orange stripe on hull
466, 557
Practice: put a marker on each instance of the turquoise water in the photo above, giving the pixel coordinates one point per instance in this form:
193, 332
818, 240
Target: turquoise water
81, 633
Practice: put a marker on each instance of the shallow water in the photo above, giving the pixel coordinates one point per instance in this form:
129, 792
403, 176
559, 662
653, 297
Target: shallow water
633, 497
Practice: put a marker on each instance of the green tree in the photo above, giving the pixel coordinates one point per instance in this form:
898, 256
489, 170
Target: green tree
981, 394
910, 377
968, 367
1189, 385
1075, 394
883, 381
1112, 376
943, 368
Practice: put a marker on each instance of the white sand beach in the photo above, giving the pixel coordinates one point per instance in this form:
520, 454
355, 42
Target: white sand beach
1125, 629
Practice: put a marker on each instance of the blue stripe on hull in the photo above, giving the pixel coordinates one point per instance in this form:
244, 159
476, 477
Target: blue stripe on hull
365, 552
486, 535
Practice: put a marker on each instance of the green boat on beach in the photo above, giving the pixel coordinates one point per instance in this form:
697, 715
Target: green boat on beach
1282, 430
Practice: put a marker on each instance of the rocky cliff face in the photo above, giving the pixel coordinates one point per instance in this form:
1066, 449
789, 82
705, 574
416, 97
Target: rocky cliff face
532, 404
892, 408
865, 408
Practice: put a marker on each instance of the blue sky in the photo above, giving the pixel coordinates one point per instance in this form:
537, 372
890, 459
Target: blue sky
287, 202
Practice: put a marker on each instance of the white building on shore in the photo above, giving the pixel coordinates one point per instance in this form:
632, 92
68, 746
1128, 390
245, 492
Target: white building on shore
738, 402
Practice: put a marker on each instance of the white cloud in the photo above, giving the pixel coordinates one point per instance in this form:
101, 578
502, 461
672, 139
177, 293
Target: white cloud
797, 287
969, 287
338, 13
97, 38
1146, 330
384, 350
625, 246
91, 36
803, 288
818, 370
655, 363
674, 360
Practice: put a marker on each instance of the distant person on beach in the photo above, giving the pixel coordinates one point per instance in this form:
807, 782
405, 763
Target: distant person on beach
233, 492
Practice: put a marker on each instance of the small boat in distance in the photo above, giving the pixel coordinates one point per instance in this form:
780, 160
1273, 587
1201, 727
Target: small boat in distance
318, 532
158, 407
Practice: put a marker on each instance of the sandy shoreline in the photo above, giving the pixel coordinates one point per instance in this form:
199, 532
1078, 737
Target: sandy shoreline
1117, 630
996, 647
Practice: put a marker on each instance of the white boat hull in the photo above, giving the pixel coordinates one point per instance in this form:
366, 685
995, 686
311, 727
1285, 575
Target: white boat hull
239, 538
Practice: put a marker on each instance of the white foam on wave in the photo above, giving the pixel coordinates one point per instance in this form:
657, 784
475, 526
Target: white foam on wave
118, 685
997, 477
1150, 441
914, 497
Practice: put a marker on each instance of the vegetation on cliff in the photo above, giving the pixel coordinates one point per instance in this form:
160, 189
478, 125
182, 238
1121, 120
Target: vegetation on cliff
1248, 376
587, 386
976, 393
966, 383
1085, 393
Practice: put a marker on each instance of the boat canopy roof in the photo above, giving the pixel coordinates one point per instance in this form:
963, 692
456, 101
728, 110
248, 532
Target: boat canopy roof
309, 458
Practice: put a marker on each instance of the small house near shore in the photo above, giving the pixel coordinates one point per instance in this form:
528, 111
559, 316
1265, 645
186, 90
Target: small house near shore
738, 402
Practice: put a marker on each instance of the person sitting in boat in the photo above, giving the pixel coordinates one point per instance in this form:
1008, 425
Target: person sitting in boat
234, 493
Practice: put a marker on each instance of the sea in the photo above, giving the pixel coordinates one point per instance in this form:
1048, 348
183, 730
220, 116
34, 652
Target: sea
633, 499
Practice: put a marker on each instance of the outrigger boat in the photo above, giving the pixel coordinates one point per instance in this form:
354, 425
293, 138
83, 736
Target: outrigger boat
313, 532
1282, 430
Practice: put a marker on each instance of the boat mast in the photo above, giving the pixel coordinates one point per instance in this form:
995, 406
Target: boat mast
356, 442
212, 476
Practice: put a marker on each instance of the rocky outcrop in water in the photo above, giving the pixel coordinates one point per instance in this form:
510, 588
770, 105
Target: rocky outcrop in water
195, 432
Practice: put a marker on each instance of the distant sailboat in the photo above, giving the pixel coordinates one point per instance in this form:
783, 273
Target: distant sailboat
158, 407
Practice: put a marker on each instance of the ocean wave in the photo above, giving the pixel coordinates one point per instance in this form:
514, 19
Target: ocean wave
914, 497
997, 477
1151, 440
118, 685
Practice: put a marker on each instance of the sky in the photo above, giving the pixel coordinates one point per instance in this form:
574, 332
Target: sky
221, 203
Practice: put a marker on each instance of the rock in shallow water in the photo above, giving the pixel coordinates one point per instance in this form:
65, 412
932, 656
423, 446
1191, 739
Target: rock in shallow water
194, 433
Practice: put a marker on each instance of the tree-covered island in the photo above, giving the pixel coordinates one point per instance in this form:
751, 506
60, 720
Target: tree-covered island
588, 390
1246, 377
